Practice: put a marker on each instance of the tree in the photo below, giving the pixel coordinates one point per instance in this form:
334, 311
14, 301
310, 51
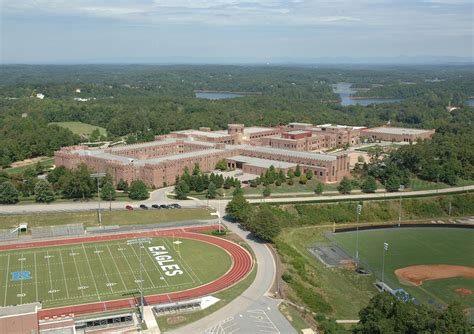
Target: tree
196, 169
388, 314
319, 188
227, 183
264, 224
303, 179
55, 175
266, 191
290, 181
345, 187
281, 176
108, 192
392, 184
8, 193
237, 190
138, 190
239, 209
78, 183
290, 173
221, 165
369, 185
122, 185
309, 174
297, 171
44, 192
211, 191
181, 190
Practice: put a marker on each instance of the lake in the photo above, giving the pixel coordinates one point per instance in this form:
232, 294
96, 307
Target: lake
345, 91
219, 95
470, 102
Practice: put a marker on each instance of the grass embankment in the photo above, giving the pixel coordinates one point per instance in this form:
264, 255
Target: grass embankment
171, 322
325, 290
136, 217
80, 128
46, 163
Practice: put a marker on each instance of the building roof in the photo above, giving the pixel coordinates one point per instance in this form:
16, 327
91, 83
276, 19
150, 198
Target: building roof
399, 131
303, 124
143, 145
210, 134
296, 154
19, 309
256, 129
298, 132
264, 163
178, 156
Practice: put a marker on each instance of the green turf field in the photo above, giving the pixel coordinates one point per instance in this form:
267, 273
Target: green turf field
80, 128
414, 246
92, 272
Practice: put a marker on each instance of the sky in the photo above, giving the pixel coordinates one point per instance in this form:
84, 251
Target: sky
223, 31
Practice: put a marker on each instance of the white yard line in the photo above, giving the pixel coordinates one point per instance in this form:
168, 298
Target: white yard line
133, 273
21, 280
36, 278
118, 270
64, 273
49, 270
77, 271
103, 268
92, 274
6, 281
154, 262
181, 261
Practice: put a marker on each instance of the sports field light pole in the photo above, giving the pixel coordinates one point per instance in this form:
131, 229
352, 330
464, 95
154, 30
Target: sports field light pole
140, 242
358, 211
98, 176
385, 249
402, 187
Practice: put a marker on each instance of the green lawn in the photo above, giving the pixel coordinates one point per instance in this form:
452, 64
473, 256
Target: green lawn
81, 128
151, 216
92, 272
296, 187
47, 163
414, 246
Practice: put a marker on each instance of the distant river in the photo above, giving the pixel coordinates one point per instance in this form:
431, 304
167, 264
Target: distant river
345, 91
220, 95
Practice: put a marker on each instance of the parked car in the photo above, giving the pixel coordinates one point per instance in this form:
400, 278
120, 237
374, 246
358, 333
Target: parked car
143, 206
155, 206
175, 206
164, 206
129, 207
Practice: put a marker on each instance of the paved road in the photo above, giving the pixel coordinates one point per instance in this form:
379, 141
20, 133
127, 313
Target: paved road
253, 311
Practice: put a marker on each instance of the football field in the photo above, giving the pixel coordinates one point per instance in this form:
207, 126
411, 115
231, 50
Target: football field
417, 247
93, 272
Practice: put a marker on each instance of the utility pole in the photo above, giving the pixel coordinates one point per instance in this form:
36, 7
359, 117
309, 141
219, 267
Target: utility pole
358, 212
140, 242
98, 176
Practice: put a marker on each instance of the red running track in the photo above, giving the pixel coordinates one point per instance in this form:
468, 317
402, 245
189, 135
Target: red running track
242, 264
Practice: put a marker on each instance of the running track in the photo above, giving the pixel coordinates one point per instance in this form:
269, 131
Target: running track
241, 266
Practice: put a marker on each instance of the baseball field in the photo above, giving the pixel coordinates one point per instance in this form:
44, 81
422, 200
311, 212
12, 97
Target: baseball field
98, 271
435, 265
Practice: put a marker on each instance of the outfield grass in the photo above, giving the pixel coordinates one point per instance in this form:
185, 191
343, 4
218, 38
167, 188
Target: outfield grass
413, 246
89, 218
92, 272
81, 128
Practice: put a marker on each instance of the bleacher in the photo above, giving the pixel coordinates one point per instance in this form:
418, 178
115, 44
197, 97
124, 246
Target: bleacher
7, 235
57, 231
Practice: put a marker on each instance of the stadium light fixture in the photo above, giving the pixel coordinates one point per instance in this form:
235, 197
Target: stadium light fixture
140, 242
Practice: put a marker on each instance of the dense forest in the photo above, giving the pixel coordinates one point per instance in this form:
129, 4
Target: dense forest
140, 101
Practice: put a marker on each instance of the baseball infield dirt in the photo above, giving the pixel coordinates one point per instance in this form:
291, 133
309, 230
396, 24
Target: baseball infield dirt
416, 275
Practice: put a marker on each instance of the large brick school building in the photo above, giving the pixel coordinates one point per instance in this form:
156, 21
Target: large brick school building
252, 149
